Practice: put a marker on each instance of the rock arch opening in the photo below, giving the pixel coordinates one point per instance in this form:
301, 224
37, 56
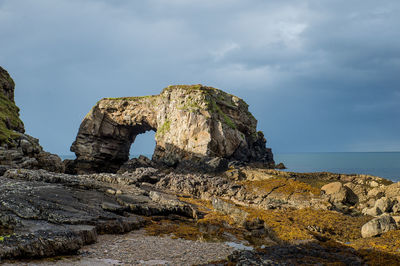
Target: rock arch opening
144, 144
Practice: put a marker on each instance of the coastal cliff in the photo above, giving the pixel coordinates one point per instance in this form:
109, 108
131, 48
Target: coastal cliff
17, 149
193, 123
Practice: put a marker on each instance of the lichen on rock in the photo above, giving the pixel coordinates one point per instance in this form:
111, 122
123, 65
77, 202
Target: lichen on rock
192, 123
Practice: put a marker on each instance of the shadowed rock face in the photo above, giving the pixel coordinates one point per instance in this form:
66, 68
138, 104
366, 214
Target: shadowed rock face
192, 123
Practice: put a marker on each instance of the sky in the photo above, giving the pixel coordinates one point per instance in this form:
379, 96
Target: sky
319, 75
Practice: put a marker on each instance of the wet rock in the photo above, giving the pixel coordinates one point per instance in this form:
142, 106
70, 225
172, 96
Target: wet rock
378, 226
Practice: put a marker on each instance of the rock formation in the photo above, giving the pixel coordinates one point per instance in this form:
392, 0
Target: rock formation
19, 150
192, 123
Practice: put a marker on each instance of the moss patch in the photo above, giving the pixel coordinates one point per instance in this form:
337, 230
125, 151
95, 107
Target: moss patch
330, 228
131, 98
225, 117
303, 223
281, 185
294, 224
190, 105
388, 242
164, 128
9, 120
190, 88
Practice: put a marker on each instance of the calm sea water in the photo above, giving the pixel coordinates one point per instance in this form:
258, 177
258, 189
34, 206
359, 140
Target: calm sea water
383, 164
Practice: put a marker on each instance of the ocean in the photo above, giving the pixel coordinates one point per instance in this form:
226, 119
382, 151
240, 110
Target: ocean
383, 164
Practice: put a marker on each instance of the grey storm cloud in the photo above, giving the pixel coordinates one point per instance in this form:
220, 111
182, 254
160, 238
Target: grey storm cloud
318, 75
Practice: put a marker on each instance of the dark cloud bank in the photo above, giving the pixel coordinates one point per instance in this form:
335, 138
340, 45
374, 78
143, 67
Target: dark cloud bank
318, 75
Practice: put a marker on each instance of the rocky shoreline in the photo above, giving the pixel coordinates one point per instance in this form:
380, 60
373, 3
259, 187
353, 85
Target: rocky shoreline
47, 214
195, 202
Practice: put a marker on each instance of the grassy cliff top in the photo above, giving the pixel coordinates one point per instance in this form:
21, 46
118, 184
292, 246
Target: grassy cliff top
9, 112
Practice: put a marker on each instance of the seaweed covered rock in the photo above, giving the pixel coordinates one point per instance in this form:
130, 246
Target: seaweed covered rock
19, 150
193, 123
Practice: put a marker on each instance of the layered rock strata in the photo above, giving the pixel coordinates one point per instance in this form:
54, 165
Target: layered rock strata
46, 214
19, 150
192, 123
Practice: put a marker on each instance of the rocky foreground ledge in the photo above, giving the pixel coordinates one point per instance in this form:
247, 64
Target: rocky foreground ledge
285, 217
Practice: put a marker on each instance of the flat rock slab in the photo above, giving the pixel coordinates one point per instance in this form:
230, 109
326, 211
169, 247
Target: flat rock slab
50, 219
45, 214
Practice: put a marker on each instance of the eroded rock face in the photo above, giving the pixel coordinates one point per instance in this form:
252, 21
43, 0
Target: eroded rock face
192, 123
19, 150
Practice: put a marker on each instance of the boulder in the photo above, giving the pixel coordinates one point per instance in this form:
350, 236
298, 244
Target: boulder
192, 123
384, 204
396, 207
374, 211
359, 190
393, 190
338, 193
280, 166
376, 192
378, 226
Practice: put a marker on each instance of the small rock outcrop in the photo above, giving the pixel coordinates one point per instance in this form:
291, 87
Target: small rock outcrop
19, 150
193, 123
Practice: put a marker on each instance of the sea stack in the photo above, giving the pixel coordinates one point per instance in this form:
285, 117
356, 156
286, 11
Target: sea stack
193, 123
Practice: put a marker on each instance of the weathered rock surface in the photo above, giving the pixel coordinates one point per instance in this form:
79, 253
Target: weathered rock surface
46, 214
338, 193
379, 225
19, 150
192, 123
